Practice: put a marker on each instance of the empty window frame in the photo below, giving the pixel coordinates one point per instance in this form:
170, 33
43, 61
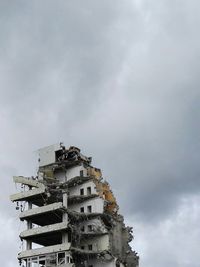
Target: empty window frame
60, 258
69, 237
82, 191
69, 259
89, 209
90, 228
81, 173
89, 190
82, 209
42, 261
82, 247
82, 228
32, 262
90, 247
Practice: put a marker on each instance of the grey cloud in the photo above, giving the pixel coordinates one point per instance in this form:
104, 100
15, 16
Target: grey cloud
170, 235
120, 80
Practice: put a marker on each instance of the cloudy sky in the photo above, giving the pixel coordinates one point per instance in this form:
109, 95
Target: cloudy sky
121, 80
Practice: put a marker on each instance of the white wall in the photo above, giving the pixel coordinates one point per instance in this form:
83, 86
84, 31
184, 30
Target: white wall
75, 171
76, 190
64, 175
61, 175
99, 243
96, 203
47, 154
97, 225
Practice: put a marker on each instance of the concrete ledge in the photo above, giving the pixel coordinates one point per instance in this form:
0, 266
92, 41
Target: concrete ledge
40, 210
86, 252
44, 230
27, 181
80, 198
44, 250
27, 194
77, 180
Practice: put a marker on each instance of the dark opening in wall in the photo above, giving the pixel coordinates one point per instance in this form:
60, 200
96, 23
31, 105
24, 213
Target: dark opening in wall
82, 209
61, 258
69, 237
89, 191
82, 191
89, 209
82, 228
90, 247
90, 228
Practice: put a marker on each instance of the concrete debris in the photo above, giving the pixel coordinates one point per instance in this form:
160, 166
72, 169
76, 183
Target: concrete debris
72, 214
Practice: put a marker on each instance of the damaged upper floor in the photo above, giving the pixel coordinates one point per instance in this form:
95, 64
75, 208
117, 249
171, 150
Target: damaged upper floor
70, 209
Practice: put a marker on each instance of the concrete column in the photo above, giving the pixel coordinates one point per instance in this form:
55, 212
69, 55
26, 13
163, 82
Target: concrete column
65, 215
28, 264
29, 226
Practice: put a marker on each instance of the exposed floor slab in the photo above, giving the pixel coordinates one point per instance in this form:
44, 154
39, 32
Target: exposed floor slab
44, 230
44, 250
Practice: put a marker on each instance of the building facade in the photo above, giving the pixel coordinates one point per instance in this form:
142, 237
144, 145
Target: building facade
71, 215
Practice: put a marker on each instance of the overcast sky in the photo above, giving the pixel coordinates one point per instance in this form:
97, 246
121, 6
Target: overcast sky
120, 80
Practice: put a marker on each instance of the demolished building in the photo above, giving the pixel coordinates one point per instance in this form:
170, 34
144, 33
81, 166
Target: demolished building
71, 214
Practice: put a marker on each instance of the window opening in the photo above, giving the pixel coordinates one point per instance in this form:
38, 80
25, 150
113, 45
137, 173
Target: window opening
82, 191
89, 191
42, 261
61, 258
90, 228
67, 259
69, 237
82, 209
90, 247
89, 209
